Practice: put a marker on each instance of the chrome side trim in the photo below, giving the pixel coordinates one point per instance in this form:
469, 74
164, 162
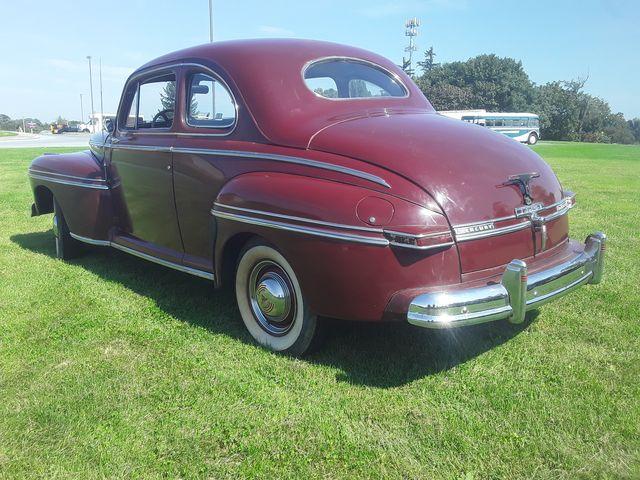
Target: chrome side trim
259, 156
64, 175
423, 247
464, 237
298, 219
69, 182
165, 263
91, 241
145, 256
285, 159
418, 235
144, 148
300, 229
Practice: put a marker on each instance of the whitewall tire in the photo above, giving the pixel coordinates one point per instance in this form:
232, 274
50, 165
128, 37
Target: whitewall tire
533, 139
270, 301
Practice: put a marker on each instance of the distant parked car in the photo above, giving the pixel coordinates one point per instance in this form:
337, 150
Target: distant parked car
318, 181
63, 128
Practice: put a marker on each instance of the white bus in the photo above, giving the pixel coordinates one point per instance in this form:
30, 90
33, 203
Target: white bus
523, 127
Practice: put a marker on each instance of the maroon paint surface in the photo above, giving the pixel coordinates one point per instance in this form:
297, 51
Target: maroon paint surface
440, 173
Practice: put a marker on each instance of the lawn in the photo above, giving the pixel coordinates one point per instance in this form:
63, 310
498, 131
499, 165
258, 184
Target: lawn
114, 367
7, 134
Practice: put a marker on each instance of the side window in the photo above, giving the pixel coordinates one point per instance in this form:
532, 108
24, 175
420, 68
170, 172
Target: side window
130, 120
323, 86
156, 102
210, 105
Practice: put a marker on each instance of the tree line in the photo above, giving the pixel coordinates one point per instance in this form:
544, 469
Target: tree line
493, 83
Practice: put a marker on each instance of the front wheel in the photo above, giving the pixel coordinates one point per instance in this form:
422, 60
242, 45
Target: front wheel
66, 246
271, 302
533, 139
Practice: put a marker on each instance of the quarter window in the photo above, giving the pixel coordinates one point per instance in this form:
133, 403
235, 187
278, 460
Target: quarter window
339, 78
210, 105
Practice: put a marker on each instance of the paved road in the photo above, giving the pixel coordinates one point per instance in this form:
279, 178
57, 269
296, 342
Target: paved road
27, 140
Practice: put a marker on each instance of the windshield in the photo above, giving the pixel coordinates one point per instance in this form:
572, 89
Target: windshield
344, 78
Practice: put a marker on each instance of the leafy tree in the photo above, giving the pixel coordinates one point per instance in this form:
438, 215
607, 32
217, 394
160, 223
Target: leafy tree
427, 64
493, 83
327, 92
358, 89
634, 127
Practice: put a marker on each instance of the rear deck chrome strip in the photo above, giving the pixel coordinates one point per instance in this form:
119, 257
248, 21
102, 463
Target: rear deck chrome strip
300, 229
145, 256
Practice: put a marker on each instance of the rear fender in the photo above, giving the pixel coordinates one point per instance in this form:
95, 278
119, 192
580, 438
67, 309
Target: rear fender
332, 234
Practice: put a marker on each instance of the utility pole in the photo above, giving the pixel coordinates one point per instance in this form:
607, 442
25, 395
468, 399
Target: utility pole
411, 31
93, 112
101, 105
81, 110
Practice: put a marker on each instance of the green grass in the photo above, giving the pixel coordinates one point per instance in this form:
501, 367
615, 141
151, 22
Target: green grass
113, 367
7, 134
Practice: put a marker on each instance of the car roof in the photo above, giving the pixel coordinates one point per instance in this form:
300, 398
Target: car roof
267, 76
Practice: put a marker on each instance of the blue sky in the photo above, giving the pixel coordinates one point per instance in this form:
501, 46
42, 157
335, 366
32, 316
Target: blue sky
44, 43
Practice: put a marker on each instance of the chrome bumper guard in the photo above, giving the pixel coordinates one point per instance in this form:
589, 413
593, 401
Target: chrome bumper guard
514, 295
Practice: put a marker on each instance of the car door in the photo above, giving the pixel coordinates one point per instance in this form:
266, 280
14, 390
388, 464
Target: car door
207, 125
142, 165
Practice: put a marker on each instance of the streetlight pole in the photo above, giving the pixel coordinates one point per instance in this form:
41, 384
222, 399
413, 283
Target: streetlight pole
101, 105
93, 112
81, 110
210, 21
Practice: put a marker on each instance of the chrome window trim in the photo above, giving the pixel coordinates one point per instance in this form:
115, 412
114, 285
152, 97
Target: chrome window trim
135, 76
393, 75
300, 229
226, 87
298, 219
145, 256
69, 182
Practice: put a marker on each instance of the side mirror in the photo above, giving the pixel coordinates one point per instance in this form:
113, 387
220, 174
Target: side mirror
109, 125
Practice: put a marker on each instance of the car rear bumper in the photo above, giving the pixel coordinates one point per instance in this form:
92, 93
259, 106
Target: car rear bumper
513, 295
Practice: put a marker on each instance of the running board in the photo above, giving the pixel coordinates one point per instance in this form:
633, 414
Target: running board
145, 256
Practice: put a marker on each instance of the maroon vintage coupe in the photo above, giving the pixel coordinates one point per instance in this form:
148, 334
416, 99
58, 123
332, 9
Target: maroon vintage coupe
318, 180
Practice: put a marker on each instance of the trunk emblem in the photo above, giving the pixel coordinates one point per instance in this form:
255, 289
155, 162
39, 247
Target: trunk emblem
528, 210
522, 182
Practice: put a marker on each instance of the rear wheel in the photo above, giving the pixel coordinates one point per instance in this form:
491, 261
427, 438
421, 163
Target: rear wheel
271, 302
533, 139
66, 246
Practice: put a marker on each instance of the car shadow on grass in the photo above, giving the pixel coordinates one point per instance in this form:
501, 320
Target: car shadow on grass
375, 355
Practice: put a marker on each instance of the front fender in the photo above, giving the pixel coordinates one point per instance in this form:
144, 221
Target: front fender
332, 234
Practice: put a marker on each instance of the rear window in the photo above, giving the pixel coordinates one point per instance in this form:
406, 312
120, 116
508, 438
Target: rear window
345, 78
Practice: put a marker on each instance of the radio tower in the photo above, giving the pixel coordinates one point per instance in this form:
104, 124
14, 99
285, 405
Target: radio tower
411, 31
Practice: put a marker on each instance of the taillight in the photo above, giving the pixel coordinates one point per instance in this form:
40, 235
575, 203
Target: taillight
419, 241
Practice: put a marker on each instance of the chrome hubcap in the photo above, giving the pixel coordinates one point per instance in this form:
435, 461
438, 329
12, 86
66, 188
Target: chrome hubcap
56, 231
271, 297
